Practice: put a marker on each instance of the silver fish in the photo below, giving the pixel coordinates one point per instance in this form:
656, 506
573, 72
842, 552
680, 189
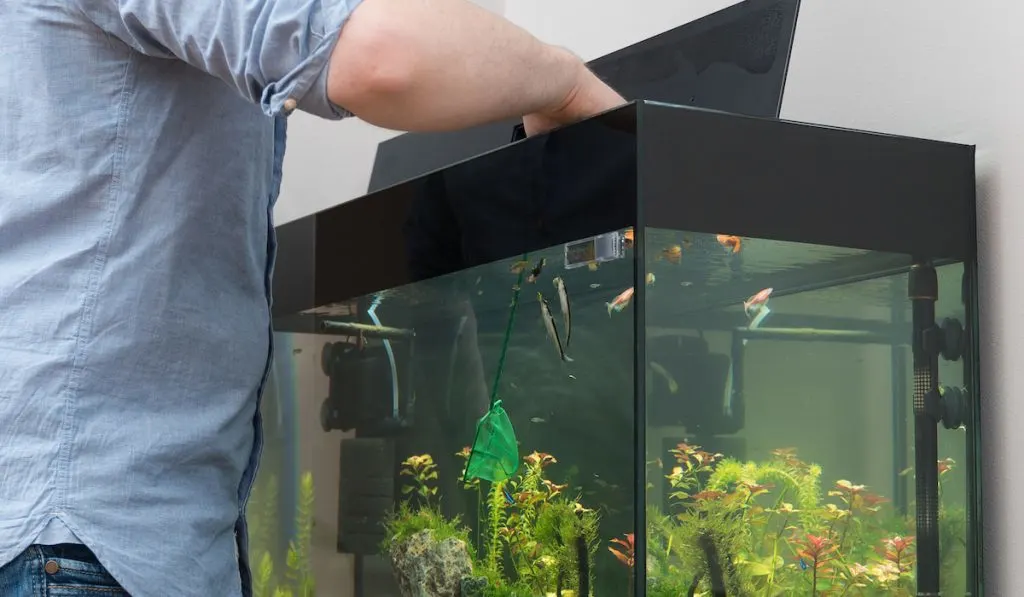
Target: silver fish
549, 323
563, 302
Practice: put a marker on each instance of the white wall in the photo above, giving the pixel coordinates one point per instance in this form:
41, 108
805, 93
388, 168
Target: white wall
940, 69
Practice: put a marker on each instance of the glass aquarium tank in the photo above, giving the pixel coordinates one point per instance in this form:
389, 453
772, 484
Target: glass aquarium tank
661, 352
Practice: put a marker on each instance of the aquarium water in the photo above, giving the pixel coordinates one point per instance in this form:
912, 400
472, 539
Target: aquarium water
777, 429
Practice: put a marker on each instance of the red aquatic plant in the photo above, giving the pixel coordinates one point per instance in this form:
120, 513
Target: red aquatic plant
626, 554
540, 459
553, 488
788, 457
899, 551
693, 458
708, 495
814, 551
756, 489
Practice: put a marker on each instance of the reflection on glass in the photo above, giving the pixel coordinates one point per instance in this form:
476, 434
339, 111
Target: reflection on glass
780, 434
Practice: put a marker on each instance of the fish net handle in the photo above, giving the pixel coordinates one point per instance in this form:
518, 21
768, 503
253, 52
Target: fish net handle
508, 330
501, 356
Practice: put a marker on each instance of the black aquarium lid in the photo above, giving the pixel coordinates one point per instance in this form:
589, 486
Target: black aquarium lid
735, 59
645, 164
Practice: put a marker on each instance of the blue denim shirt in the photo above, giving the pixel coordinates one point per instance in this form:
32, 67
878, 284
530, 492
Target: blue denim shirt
140, 157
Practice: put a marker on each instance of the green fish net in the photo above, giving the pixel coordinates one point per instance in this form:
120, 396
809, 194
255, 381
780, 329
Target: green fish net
495, 453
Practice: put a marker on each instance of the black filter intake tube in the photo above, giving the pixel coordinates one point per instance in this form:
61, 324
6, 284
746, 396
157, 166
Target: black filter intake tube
923, 290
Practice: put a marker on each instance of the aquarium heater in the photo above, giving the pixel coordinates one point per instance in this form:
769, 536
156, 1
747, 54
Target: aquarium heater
933, 404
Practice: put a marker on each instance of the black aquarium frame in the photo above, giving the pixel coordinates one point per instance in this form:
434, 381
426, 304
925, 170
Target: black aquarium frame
697, 170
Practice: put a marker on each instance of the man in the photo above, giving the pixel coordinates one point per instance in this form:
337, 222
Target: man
140, 153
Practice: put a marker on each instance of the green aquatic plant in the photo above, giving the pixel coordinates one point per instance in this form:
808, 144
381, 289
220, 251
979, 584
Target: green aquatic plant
423, 471
295, 577
407, 521
300, 571
496, 517
765, 528
537, 540
568, 534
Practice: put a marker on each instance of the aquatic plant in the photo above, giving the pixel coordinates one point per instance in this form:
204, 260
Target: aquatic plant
765, 528
422, 470
300, 572
624, 551
537, 540
407, 521
298, 580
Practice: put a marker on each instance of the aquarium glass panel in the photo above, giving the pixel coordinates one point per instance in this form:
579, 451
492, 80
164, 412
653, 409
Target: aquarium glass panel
780, 433
473, 431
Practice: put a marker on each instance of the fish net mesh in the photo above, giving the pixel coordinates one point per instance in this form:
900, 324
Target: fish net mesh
495, 455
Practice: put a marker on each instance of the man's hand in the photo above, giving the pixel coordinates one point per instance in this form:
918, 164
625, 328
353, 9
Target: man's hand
589, 96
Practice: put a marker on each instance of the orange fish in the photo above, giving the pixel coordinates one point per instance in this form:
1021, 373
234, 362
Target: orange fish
627, 237
620, 302
754, 304
673, 254
733, 243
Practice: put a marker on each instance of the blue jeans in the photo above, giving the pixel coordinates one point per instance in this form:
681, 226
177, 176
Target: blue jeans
57, 571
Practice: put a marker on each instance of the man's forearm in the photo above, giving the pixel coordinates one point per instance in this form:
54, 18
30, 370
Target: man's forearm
445, 64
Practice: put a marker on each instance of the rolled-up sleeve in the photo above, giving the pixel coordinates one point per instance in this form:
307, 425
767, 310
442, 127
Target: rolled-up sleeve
270, 51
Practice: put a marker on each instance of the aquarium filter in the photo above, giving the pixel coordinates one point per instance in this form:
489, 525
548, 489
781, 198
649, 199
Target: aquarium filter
363, 390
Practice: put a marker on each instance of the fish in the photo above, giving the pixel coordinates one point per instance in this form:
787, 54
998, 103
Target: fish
549, 323
627, 238
754, 304
595, 285
535, 273
538, 420
733, 243
673, 254
620, 302
563, 303
508, 496
296, 351
519, 266
592, 266
673, 387
650, 278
